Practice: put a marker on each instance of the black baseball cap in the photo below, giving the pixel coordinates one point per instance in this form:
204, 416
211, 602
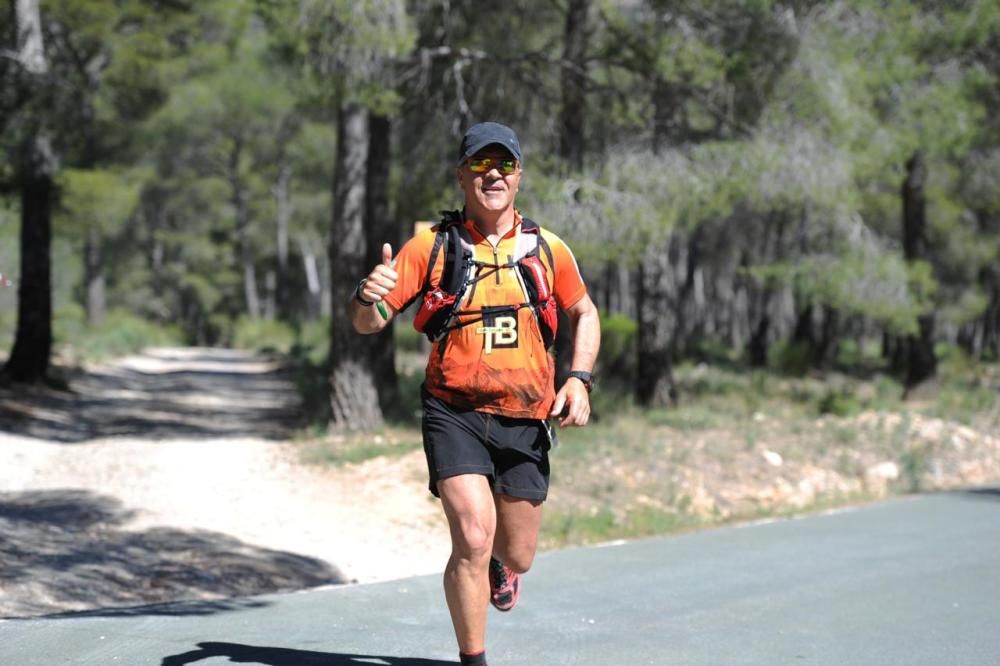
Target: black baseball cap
481, 135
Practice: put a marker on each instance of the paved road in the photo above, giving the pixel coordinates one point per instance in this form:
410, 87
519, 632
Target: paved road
912, 581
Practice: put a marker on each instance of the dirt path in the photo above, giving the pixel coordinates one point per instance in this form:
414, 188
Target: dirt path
170, 476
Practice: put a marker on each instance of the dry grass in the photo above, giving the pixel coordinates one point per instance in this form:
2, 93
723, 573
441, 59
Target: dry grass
745, 445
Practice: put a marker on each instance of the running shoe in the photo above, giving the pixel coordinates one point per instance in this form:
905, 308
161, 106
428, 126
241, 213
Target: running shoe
505, 586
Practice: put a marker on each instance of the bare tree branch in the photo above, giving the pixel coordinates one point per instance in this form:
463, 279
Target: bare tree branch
13, 55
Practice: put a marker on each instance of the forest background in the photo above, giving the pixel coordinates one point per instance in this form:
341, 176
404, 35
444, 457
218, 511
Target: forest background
804, 187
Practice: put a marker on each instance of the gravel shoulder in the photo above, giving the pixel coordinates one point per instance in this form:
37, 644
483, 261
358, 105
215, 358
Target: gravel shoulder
170, 476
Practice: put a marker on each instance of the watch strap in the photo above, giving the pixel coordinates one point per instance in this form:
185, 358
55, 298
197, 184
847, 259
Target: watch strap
359, 298
586, 377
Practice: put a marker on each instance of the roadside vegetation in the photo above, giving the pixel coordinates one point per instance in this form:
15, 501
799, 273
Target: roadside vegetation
783, 241
740, 444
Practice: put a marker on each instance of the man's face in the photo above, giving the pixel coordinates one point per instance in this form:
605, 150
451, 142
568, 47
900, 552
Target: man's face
491, 190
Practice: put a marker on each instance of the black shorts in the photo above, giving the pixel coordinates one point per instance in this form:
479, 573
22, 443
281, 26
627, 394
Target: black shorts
512, 453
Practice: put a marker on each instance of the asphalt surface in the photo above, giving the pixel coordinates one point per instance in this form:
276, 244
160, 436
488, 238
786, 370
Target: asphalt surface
910, 581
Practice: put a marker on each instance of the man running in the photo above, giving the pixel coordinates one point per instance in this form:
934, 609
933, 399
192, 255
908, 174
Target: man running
487, 282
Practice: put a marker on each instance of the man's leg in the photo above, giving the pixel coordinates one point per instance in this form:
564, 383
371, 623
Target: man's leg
472, 519
518, 521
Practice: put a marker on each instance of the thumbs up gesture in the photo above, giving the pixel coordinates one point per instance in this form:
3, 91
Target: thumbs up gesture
382, 279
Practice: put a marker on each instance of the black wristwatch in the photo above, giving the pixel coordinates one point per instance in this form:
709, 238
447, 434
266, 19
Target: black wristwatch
585, 377
359, 298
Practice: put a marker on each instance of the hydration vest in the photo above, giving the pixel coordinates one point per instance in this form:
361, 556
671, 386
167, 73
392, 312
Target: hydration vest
441, 310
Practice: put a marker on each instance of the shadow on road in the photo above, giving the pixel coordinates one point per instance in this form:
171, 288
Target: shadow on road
71, 550
990, 493
161, 394
271, 656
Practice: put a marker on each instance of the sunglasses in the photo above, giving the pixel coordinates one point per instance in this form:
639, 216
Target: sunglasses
484, 164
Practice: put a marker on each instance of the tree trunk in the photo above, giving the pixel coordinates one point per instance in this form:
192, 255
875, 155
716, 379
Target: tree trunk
30, 43
758, 345
241, 206
921, 362
283, 214
574, 82
987, 326
381, 228
803, 333
270, 295
666, 109
829, 339
94, 279
990, 338
314, 299
354, 403
571, 143
29, 359
96, 302
654, 378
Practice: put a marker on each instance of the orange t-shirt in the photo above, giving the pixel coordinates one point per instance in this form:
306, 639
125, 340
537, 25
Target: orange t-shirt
498, 365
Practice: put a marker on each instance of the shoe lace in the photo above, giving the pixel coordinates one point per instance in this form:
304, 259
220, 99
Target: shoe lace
498, 572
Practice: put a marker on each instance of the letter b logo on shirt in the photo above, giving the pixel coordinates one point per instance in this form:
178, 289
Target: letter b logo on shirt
499, 332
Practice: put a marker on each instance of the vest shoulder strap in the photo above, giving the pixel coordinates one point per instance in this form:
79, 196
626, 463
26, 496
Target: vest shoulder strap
532, 233
452, 234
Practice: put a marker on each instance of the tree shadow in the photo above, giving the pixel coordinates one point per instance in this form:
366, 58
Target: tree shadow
162, 394
272, 656
71, 550
988, 493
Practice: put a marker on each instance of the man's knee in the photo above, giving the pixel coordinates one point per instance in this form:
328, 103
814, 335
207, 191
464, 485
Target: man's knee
517, 554
473, 540
520, 560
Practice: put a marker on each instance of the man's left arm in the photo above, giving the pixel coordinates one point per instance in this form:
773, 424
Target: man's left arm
586, 343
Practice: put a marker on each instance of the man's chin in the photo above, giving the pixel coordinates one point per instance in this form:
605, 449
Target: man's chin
495, 204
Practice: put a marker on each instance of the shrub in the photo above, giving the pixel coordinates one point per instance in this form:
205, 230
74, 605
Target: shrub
790, 358
263, 335
119, 334
8, 325
313, 343
406, 337
617, 357
839, 403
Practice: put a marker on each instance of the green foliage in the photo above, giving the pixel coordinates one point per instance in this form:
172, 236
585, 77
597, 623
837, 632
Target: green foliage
119, 334
343, 49
314, 340
861, 281
263, 335
778, 169
559, 529
407, 338
966, 390
790, 358
839, 402
95, 199
617, 357
686, 418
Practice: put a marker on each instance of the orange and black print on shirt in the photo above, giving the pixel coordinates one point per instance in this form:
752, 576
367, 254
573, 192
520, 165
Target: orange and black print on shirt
498, 364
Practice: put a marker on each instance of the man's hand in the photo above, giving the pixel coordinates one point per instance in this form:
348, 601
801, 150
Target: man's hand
382, 279
574, 400
373, 318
